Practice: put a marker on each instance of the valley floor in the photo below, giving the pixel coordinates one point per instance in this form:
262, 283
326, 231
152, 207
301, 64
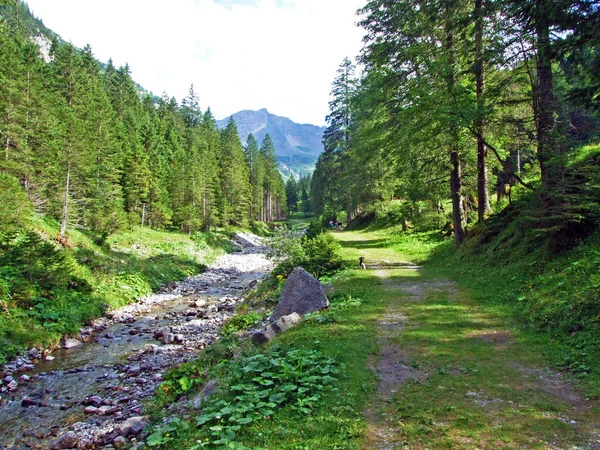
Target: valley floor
455, 374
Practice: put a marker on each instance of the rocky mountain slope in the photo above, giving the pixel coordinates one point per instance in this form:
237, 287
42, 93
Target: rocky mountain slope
297, 146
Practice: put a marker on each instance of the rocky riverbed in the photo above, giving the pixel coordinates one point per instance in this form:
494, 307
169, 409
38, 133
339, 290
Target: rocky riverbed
89, 393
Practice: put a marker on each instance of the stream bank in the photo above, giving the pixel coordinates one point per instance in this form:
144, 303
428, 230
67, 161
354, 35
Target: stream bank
90, 395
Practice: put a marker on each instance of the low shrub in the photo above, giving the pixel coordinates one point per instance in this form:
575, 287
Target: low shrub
240, 322
254, 388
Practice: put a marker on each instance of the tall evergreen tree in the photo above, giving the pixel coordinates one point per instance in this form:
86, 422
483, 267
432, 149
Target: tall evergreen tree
257, 176
272, 183
209, 177
234, 178
291, 193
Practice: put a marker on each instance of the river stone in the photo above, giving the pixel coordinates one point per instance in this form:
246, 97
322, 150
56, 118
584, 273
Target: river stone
120, 442
68, 440
94, 400
248, 240
71, 343
301, 293
274, 328
133, 426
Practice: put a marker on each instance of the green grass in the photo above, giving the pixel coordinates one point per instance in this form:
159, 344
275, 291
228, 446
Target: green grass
484, 379
554, 296
298, 221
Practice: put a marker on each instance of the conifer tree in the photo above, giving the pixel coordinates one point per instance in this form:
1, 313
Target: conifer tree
234, 178
272, 179
291, 193
209, 177
257, 175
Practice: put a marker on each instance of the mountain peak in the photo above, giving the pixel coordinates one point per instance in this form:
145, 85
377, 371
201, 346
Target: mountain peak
297, 146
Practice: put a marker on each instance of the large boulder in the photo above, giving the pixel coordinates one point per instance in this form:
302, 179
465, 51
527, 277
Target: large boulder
302, 293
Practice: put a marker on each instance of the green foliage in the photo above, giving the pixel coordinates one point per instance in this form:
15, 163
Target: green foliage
182, 379
321, 255
318, 255
240, 322
15, 207
257, 387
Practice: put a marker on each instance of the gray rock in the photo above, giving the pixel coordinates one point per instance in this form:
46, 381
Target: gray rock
169, 338
120, 442
248, 240
274, 328
133, 426
94, 400
209, 390
301, 293
28, 402
68, 440
151, 348
71, 343
34, 353
91, 410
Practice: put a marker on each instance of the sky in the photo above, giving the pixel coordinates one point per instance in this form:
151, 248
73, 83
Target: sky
238, 54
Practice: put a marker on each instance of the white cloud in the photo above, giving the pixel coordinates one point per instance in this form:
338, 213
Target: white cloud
239, 54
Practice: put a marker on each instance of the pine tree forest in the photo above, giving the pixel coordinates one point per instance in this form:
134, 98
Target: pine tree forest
453, 103
94, 151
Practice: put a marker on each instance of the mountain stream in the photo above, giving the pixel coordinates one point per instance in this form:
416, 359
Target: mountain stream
90, 395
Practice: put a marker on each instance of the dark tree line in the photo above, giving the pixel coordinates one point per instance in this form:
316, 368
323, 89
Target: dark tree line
452, 91
92, 151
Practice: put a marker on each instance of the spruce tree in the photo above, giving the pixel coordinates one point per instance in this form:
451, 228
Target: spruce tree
234, 178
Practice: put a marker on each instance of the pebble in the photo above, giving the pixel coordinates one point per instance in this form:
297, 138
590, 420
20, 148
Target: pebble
72, 343
68, 440
108, 420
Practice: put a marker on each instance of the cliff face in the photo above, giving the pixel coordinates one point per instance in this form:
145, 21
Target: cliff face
297, 146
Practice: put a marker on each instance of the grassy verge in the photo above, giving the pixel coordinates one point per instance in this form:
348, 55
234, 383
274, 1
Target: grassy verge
480, 380
47, 291
553, 295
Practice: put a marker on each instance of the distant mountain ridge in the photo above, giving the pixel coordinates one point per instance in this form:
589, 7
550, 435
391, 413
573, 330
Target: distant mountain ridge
297, 146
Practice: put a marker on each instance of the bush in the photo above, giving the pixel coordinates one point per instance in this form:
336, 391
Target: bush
322, 255
318, 255
239, 322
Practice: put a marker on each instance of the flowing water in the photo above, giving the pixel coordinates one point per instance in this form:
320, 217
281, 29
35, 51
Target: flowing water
91, 389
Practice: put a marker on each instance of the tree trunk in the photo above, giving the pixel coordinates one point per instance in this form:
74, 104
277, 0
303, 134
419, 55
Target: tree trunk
483, 199
456, 173
457, 204
65, 210
545, 93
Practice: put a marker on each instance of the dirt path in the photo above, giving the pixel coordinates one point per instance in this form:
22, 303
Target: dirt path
392, 364
546, 410
455, 374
